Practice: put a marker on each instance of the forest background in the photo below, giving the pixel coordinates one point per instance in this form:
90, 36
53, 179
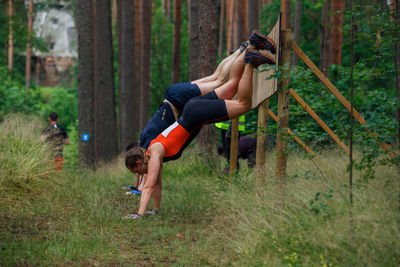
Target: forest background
376, 96
50, 217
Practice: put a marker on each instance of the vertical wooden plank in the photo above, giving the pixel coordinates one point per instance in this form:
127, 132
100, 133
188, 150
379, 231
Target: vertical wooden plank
283, 107
234, 145
261, 151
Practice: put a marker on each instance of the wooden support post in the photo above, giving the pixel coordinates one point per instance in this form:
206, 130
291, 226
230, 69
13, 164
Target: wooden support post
319, 121
283, 106
234, 146
261, 151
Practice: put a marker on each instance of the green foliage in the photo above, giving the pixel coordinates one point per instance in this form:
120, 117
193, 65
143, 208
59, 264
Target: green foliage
162, 51
25, 160
41, 100
74, 217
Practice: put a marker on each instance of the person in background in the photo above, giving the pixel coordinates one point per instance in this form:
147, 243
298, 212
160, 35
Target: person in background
57, 137
246, 150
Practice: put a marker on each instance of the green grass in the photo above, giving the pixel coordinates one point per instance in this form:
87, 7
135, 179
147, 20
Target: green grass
74, 217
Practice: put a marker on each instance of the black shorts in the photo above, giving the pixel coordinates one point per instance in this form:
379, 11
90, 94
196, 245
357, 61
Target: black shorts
202, 110
179, 94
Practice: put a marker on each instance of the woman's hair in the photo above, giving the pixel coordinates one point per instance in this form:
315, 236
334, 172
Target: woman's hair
134, 154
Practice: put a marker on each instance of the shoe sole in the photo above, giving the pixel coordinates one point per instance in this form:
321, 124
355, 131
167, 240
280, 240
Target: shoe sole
259, 54
269, 40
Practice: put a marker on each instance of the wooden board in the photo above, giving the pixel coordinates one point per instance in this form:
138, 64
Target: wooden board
262, 88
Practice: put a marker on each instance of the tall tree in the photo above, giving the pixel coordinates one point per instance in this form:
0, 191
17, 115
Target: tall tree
10, 14
106, 141
207, 53
337, 32
28, 47
194, 43
137, 63
252, 16
221, 28
230, 16
128, 98
86, 151
176, 42
297, 29
325, 38
145, 83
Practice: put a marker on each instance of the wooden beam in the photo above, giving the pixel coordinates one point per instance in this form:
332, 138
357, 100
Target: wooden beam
297, 139
261, 150
319, 121
283, 106
326, 82
234, 146
336, 93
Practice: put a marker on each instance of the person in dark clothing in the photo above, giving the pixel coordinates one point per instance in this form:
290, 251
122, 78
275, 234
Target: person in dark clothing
246, 150
57, 137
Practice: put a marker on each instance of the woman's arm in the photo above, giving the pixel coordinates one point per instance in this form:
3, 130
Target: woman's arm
154, 172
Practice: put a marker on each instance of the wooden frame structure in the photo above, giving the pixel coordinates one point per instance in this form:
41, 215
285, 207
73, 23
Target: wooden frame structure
286, 46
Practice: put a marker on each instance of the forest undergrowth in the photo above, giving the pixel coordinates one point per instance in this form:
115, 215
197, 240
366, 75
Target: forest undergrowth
74, 217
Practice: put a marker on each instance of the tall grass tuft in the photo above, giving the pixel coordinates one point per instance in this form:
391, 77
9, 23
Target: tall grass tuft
25, 161
307, 220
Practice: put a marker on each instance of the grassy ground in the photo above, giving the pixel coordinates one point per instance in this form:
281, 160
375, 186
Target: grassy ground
75, 217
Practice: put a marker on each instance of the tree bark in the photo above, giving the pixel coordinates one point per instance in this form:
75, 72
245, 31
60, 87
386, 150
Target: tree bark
128, 99
230, 12
337, 31
207, 25
177, 42
194, 43
86, 151
252, 16
29, 48
221, 29
146, 49
10, 14
297, 29
325, 38
137, 51
106, 145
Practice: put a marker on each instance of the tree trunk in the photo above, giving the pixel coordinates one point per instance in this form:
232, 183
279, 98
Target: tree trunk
194, 43
177, 42
28, 47
207, 28
283, 94
221, 29
325, 38
146, 49
84, 13
128, 99
106, 144
137, 63
252, 16
285, 9
10, 13
230, 12
337, 31
297, 30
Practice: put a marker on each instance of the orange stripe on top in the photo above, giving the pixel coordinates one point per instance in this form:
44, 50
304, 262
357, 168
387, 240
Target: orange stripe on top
172, 139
